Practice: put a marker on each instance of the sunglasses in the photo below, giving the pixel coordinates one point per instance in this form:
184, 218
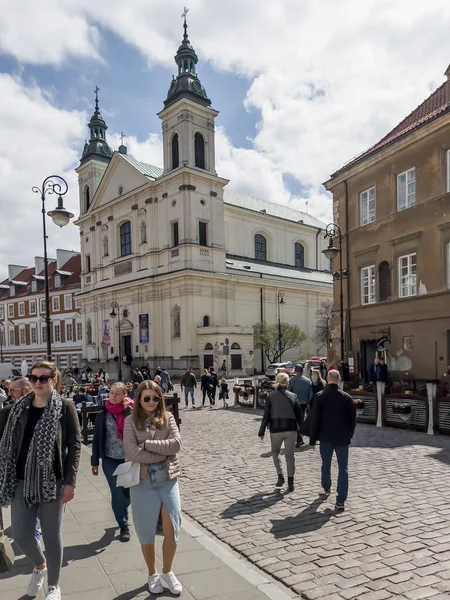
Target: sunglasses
41, 378
152, 398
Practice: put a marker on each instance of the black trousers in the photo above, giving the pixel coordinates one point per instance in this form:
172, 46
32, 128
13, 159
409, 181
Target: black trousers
206, 391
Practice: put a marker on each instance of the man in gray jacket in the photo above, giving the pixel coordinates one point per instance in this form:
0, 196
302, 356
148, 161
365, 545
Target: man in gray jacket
302, 387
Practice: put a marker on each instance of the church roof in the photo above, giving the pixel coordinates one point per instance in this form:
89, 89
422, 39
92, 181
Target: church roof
148, 170
272, 209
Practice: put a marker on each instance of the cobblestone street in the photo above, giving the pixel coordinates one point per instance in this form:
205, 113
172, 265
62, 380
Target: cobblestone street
392, 541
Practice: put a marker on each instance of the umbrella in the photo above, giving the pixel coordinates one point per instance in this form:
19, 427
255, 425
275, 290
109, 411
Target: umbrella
24, 368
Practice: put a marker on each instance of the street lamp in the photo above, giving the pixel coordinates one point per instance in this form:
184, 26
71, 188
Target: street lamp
2, 340
113, 314
333, 231
54, 184
280, 297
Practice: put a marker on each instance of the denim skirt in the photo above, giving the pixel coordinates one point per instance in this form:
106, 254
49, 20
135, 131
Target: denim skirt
146, 501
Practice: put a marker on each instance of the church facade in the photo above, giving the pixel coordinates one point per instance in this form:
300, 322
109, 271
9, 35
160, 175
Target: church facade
176, 269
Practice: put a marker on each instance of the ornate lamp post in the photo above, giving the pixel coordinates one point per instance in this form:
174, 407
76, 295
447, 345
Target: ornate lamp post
333, 231
54, 184
113, 314
280, 298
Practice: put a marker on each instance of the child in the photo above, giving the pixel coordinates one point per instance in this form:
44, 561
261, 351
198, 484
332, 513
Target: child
223, 395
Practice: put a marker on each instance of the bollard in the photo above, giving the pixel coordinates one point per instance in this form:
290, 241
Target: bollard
431, 393
381, 386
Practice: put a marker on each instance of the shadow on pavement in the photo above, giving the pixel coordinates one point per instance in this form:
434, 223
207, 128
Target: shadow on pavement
80, 552
252, 505
306, 521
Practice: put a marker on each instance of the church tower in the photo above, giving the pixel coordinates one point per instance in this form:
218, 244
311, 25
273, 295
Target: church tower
94, 160
187, 118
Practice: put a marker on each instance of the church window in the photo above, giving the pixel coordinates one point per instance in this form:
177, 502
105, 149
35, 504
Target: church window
175, 235
87, 198
199, 150
260, 247
175, 152
206, 321
203, 233
176, 322
235, 346
105, 246
299, 253
143, 233
209, 347
125, 239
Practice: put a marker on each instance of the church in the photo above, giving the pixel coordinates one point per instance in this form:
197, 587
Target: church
176, 269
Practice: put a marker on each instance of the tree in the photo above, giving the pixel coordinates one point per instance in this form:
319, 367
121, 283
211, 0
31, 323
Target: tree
266, 339
322, 333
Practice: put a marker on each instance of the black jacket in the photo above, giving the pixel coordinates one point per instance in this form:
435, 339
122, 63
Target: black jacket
333, 417
98, 442
206, 382
68, 440
282, 412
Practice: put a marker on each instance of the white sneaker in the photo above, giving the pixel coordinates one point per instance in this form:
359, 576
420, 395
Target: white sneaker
154, 584
169, 580
36, 582
54, 593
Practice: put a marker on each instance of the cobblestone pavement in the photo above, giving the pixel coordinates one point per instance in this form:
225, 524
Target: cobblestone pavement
392, 541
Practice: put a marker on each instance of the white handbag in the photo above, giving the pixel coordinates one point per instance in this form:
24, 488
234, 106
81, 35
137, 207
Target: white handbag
128, 474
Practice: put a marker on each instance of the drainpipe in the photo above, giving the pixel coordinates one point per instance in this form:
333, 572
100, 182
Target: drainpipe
347, 260
317, 248
261, 306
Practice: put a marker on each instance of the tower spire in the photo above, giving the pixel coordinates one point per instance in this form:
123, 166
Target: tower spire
97, 146
183, 16
96, 91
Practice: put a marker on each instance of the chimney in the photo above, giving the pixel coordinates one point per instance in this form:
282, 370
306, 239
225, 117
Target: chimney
14, 270
38, 265
63, 256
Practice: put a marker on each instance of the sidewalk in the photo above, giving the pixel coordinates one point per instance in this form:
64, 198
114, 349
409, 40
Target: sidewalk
99, 567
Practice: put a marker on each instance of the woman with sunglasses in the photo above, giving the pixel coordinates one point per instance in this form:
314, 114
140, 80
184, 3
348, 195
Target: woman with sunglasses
40, 446
152, 438
107, 445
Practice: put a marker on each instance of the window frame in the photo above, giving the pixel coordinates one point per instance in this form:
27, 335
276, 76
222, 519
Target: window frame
69, 327
57, 281
367, 215
22, 336
368, 285
56, 304
203, 235
407, 194
42, 306
44, 333
30, 305
255, 237
11, 336
79, 330
87, 263
125, 239
33, 330
21, 309
56, 328
10, 312
2, 312
401, 277
301, 255
68, 297
175, 228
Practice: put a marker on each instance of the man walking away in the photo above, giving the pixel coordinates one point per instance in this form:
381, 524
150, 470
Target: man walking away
215, 384
333, 422
189, 383
165, 380
301, 386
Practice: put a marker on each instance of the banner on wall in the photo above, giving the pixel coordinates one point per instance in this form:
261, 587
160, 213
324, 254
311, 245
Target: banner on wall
106, 333
143, 329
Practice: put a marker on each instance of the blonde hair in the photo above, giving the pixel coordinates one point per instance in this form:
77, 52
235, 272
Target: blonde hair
223, 380
282, 380
54, 372
319, 376
120, 385
205, 371
160, 416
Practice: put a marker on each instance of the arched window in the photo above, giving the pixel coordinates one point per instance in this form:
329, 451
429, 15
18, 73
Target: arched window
176, 322
299, 253
384, 281
175, 152
87, 198
143, 230
209, 347
105, 246
235, 346
260, 247
199, 150
125, 239
206, 321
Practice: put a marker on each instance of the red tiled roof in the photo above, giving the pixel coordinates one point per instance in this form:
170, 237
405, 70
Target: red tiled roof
434, 106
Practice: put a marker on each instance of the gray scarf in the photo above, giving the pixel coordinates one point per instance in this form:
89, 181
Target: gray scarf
40, 479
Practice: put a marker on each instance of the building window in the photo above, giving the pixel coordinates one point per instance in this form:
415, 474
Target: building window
176, 322
77, 303
199, 149
22, 338
57, 332
407, 275
203, 233
21, 309
42, 306
125, 239
69, 332
299, 253
2, 312
33, 332
11, 337
236, 362
175, 237
368, 285
175, 152
32, 307
88, 263
34, 285
384, 282
68, 302
57, 281
367, 204
406, 189
105, 246
44, 333
55, 301
260, 247
448, 170
10, 311
87, 198
2, 337
12, 290
79, 332
206, 321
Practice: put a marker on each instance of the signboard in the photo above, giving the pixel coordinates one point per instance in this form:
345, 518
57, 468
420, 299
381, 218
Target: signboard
143, 329
106, 340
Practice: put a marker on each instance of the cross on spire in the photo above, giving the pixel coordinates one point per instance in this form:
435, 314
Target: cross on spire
183, 16
122, 136
96, 91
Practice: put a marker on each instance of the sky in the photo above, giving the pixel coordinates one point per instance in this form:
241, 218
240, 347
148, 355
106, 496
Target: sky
302, 87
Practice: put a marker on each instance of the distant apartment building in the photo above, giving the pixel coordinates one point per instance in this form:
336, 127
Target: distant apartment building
23, 333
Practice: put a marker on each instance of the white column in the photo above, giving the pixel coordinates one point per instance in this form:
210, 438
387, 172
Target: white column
380, 393
431, 393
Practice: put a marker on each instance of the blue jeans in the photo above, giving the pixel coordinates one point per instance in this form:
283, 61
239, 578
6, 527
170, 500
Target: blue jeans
326, 452
120, 496
187, 391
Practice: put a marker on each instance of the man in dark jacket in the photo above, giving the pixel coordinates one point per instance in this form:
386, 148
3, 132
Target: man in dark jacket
333, 422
